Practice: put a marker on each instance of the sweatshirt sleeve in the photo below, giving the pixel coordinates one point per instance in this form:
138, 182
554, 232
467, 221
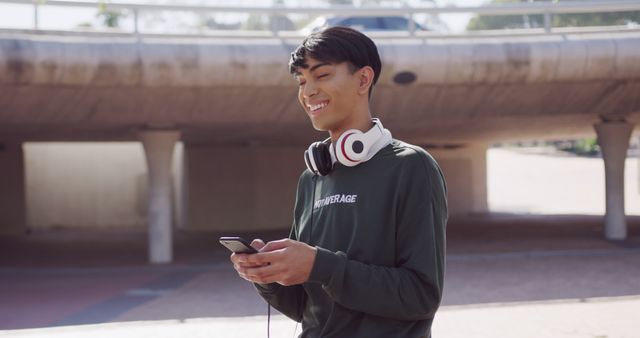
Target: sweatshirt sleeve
289, 300
412, 289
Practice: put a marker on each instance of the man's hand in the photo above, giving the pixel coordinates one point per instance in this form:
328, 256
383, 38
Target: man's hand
286, 262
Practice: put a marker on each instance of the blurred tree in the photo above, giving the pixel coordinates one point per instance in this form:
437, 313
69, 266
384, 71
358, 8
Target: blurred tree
280, 22
275, 22
85, 24
110, 17
256, 22
580, 147
560, 20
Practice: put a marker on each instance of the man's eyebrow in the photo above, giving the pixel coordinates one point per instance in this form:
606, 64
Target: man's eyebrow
319, 65
305, 66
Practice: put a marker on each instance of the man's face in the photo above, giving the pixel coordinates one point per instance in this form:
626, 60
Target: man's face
327, 92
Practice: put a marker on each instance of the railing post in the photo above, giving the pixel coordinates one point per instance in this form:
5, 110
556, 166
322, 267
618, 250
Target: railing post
412, 25
36, 24
272, 22
136, 30
547, 22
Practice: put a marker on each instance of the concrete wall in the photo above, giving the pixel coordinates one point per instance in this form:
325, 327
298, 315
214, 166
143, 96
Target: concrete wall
242, 188
105, 185
251, 188
465, 171
12, 188
215, 188
85, 184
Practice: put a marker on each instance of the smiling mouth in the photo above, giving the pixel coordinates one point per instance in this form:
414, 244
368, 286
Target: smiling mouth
317, 107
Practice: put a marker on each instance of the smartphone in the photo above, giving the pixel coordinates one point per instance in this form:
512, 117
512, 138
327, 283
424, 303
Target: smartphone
237, 245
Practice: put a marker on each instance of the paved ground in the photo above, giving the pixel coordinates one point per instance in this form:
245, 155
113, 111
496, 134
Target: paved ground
507, 276
550, 276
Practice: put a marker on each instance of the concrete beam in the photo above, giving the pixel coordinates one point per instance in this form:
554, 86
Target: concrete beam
158, 149
613, 138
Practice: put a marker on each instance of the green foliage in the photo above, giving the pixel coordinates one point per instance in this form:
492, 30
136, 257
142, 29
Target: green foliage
85, 25
597, 19
110, 17
257, 22
268, 22
561, 20
583, 147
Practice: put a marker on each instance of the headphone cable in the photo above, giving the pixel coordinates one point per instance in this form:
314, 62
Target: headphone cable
302, 298
313, 197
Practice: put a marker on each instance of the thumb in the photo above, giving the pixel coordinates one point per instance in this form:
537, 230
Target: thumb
276, 245
257, 244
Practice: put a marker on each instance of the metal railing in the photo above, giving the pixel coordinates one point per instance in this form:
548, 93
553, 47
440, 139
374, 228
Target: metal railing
547, 9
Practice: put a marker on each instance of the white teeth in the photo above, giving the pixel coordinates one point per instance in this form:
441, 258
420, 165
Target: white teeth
318, 106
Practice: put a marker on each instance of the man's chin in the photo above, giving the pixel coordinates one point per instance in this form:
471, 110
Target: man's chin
319, 126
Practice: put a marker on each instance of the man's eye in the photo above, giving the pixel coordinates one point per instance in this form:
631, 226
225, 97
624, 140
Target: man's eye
300, 84
322, 75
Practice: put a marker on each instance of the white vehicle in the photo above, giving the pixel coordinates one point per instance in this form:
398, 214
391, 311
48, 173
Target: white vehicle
364, 23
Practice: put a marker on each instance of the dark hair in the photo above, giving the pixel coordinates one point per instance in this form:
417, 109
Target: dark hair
336, 45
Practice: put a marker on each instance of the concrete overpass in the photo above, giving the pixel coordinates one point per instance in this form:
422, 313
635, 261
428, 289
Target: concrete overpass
225, 91
233, 104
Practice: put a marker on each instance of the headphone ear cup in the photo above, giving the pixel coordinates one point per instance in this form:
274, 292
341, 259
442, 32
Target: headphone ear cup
350, 148
322, 157
307, 161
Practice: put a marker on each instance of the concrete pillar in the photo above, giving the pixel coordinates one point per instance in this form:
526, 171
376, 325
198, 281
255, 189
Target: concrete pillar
613, 138
180, 196
158, 149
12, 189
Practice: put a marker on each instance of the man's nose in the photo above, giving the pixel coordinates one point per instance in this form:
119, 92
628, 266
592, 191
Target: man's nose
309, 90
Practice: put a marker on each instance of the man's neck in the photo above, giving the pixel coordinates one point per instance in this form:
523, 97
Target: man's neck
360, 122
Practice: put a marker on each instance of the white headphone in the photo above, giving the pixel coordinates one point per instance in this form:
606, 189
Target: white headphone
352, 148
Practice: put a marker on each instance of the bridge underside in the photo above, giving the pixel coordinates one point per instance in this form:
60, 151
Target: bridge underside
231, 91
440, 115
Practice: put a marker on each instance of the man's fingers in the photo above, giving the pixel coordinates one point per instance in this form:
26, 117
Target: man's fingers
236, 258
241, 260
276, 245
271, 256
265, 258
262, 258
264, 275
257, 244
263, 267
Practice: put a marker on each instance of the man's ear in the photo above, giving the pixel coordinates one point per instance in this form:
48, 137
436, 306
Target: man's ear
365, 78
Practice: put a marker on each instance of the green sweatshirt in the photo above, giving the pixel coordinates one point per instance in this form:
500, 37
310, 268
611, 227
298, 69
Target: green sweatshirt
379, 230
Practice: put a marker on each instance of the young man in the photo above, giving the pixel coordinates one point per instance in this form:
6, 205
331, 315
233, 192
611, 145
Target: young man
365, 257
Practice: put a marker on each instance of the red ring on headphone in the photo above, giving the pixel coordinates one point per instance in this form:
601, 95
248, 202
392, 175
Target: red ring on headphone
344, 140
